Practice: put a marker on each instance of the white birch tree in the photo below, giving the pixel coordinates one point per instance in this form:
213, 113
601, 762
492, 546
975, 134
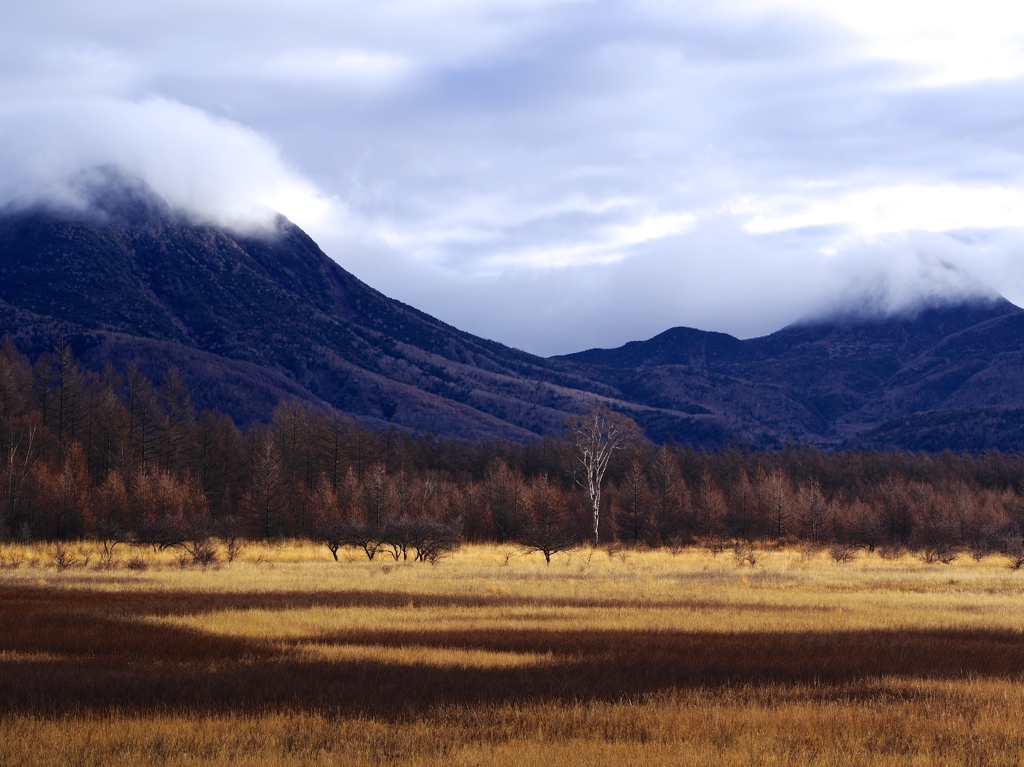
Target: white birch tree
595, 436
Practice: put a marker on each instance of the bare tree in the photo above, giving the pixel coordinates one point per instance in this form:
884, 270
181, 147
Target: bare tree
670, 496
548, 529
265, 494
178, 420
595, 436
710, 507
776, 502
742, 510
378, 492
505, 491
813, 509
144, 415
634, 518
18, 457
328, 525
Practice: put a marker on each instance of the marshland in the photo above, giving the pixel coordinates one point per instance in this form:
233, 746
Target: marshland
491, 656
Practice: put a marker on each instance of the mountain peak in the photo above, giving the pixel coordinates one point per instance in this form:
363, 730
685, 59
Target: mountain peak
248, 319
123, 277
117, 196
912, 329
977, 303
104, 194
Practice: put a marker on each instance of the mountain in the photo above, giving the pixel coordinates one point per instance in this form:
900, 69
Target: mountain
851, 381
251, 317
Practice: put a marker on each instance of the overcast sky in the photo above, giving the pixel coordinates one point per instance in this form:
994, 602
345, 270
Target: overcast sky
558, 175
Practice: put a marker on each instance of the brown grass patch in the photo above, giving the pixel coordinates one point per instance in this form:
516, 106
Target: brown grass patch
652, 659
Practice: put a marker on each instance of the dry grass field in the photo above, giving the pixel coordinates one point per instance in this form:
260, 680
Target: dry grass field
490, 657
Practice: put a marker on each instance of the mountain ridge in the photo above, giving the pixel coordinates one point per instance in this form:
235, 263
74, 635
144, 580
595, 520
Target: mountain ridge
272, 299
850, 375
253, 317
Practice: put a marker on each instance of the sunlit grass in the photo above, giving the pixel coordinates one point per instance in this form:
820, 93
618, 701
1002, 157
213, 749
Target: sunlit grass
440, 657
493, 657
898, 722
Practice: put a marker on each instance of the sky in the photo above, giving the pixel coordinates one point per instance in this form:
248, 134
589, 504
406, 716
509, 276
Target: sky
559, 174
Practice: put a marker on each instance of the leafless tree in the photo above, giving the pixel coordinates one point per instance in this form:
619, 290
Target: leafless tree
433, 539
199, 548
505, 491
745, 554
776, 501
178, 419
63, 558
710, 508
17, 461
365, 537
1013, 551
813, 509
669, 495
264, 497
741, 516
634, 519
328, 525
548, 528
595, 436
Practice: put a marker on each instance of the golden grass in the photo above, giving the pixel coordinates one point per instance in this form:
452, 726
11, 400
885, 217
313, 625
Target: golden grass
899, 723
413, 655
492, 657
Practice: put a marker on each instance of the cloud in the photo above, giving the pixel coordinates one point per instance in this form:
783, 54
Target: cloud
948, 42
556, 174
873, 211
343, 65
212, 168
714, 276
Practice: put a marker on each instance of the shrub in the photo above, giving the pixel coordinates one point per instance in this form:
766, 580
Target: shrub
841, 553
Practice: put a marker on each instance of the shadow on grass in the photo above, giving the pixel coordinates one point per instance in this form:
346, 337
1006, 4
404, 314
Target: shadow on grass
80, 651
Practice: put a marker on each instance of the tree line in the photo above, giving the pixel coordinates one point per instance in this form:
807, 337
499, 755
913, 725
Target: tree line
114, 456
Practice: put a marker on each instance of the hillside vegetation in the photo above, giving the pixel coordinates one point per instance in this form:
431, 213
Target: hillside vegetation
253, 318
117, 459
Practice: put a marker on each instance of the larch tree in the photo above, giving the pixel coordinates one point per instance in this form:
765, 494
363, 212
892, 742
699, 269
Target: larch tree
594, 437
634, 522
548, 528
267, 486
814, 508
776, 502
710, 507
179, 417
505, 493
670, 496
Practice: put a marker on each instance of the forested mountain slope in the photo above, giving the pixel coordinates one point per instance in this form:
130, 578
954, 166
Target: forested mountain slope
252, 318
876, 382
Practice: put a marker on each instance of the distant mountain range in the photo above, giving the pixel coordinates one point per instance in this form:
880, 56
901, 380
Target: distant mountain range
252, 318
944, 377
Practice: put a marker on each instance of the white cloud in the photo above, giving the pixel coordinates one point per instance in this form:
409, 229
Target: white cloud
948, 41
213, 168
516, 167
343, 65
874, 211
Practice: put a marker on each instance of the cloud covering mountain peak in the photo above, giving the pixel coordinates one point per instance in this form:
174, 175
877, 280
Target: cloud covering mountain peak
558, 174
213, 169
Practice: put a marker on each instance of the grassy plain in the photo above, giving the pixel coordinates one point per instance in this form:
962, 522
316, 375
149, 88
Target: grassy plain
491, 657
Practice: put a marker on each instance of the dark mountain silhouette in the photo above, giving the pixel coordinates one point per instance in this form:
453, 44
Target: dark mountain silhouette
253, 317
850, 381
